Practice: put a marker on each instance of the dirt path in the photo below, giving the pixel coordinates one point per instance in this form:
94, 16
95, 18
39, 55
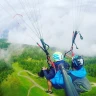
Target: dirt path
30, 90
93, 84
35, 84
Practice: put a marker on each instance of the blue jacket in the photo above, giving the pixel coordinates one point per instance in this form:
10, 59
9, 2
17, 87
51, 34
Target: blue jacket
57, 78
74, 74
52, 73
49, 75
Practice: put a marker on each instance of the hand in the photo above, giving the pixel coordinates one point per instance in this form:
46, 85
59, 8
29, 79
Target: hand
68, 56
44, 68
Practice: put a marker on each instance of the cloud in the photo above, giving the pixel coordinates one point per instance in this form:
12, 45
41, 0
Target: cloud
56, 20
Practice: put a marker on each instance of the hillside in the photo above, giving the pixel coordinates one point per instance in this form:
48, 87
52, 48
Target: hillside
20, 78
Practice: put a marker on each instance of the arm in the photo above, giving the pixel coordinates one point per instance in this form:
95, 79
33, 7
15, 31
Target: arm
68, 56
49, 75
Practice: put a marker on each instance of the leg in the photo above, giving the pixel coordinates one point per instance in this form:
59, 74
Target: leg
82, 85
49, 85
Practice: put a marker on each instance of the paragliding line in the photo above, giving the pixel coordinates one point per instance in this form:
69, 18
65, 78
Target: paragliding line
45, 48
73, 42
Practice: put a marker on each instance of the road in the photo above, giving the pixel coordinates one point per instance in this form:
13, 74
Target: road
35, 83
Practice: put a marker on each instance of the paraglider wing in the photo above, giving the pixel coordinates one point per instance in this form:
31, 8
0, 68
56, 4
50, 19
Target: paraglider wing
17, 15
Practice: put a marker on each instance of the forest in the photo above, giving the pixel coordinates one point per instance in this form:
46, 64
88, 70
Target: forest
32, 59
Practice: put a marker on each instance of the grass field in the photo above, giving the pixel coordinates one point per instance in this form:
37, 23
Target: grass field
19, 86
23, 83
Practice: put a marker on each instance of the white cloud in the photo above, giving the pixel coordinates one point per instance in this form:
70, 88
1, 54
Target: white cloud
57, 19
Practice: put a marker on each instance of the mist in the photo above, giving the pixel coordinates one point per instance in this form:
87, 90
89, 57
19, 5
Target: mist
55, 19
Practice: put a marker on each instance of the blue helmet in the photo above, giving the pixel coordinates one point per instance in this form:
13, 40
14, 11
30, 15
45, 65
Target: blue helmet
77, 62
57, 56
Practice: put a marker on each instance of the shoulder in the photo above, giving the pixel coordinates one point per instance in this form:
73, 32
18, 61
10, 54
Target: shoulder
79, 73
66, 64
59, 62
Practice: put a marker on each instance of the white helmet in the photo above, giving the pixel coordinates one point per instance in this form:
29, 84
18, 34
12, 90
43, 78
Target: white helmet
57, 56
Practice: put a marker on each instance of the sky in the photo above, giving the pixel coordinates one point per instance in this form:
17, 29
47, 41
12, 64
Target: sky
24, 21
